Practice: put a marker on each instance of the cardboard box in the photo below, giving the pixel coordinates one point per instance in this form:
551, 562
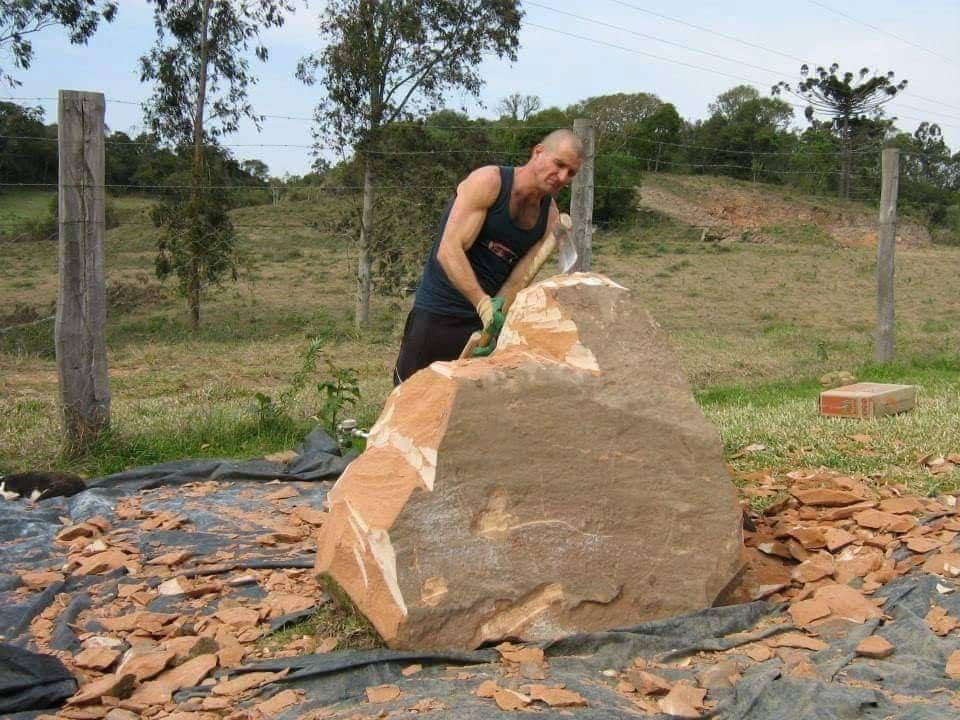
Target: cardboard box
867, 400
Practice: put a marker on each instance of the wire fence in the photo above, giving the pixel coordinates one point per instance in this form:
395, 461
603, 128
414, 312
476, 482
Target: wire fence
672, 250
809, 173
648, 181
784, 167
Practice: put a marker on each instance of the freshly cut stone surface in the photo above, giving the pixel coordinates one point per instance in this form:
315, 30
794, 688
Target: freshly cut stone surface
566, 483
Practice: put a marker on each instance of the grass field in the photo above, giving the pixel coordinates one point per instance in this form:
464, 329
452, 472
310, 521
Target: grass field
19, 205
755, 325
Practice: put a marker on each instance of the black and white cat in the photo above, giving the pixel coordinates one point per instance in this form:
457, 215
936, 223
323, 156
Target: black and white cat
40, 485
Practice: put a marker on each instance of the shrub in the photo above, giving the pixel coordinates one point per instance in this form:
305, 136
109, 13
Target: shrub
45, 227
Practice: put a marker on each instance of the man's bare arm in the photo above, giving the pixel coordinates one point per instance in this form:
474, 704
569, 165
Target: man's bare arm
475, 195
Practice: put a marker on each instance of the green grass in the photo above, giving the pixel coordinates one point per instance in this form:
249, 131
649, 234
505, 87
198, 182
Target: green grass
783, 417
227, 430
779, 329
798, 232
651, 234
19, 205
935, 325
338, 618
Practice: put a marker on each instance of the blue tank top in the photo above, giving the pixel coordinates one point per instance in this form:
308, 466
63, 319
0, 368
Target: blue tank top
498, 248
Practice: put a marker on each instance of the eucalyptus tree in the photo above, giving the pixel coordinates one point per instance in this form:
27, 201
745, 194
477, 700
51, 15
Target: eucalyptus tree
21, 19
849, 99
387, 61
615, 115
200, 72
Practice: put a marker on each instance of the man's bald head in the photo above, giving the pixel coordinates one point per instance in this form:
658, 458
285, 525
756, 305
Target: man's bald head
562, 139
554, 161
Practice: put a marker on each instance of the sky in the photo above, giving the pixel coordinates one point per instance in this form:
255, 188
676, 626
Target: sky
685, 51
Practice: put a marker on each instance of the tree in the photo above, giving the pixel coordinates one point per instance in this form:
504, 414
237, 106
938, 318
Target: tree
847, 99
732, 104
389, 60
744, 133
928, 173
19, 19
443, 149
518, 139
814, 160
28, 148
654, 139
198, 64
257, 168
932, 156
729, 101
519, 107
614, 114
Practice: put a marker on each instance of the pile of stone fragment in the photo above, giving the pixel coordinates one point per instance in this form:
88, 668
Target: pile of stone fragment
133, 658
824, 548
521, 683
831, 541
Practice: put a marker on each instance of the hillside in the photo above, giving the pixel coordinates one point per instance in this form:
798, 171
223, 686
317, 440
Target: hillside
731, 209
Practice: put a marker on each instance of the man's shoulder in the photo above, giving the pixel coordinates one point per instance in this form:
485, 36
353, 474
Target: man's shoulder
482, 186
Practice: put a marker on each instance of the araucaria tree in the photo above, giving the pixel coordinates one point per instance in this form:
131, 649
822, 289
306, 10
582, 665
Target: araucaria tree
848, 99
200, 72
21, 19
390, 60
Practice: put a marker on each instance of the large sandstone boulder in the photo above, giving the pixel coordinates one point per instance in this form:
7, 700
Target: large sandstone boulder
567, 483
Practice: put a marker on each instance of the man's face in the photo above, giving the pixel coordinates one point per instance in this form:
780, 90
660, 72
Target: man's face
555, 168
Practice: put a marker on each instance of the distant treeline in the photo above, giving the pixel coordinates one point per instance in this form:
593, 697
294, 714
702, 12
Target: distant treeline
28, 154
418, 163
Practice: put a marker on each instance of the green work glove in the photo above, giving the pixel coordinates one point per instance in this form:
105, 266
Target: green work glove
490, 310
484, 350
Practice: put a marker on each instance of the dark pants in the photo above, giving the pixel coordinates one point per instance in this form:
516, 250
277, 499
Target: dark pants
428, 337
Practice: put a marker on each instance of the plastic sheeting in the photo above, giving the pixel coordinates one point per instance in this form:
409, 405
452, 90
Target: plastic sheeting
910, 684
27, 531
29, 680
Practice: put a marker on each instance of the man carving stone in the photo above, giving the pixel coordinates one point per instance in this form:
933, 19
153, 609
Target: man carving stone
489, 235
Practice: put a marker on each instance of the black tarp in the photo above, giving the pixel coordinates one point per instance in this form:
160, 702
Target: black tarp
910, 684
29, 680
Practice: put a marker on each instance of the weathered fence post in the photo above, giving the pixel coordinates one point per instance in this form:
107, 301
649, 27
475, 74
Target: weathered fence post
886, 243
80, 330
581, 197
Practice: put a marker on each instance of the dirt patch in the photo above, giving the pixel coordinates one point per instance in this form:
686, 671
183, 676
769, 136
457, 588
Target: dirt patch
728, 211
22, 313
124, 297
